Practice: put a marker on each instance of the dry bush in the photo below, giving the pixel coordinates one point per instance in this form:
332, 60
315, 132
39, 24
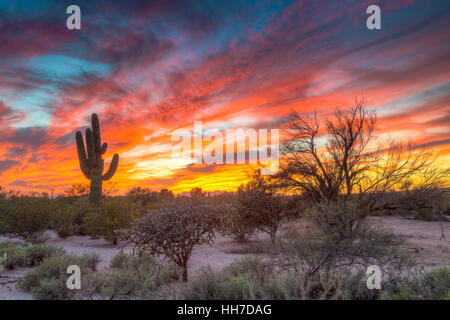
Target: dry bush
174, 229
341, 241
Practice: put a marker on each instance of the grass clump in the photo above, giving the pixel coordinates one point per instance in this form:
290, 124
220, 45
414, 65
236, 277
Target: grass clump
129, 277
257, 279
434, 285
139, 277
48, 280
238, 281
25, 255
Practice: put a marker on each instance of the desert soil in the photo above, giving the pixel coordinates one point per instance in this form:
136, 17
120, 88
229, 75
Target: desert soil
423, 240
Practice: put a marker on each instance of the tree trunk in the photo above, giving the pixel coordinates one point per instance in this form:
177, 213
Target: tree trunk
185, 273
273, 236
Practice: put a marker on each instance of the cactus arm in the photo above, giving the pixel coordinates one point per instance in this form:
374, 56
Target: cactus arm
82, 155
96, 133
103, 148
80, 146
112, 167
90, 148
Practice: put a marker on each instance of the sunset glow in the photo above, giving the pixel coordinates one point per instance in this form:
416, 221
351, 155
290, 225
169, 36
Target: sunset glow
150, 67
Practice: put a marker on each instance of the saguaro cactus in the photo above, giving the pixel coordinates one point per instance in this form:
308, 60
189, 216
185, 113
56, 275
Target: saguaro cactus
92, 165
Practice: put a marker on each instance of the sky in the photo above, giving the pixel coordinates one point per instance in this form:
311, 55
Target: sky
148, 68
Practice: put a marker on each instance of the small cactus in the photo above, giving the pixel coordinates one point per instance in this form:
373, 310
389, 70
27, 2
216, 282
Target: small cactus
92, 165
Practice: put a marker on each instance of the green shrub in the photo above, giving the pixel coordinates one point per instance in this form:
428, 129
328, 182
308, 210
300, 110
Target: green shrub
63, 215
91, 260
355, 288
138, 277
254, 278
240, 280
13, 258
25, 216
259, 206
39, 237
119, 260
20, 255
112, 214
48, 280
235, 224
81, 207
211, 285
35, 254
434, 285
133, 277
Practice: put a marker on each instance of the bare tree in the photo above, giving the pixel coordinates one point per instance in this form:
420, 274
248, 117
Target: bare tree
343, 159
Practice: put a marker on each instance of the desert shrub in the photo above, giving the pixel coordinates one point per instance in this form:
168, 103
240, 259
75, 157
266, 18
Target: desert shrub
62, 217
235, 224
81, 207
25, 216
77, 190
433, 285
24, 255
238, 281
139, 277
338, 240
254, 278
119, 260
4, 246
12, 255
355, 288
35, 254
212, 285
39, 237
144, 197
258, 205
91, 260
174, 229
2, 266
112, 214
48, 280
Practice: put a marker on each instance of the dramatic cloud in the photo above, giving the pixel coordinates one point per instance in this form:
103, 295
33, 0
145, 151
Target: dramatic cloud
150, 67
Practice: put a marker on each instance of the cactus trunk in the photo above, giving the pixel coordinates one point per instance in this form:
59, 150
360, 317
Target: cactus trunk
96, 185
92, 164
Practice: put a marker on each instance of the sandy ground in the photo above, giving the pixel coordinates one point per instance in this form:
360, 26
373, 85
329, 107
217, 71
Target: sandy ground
423, 239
